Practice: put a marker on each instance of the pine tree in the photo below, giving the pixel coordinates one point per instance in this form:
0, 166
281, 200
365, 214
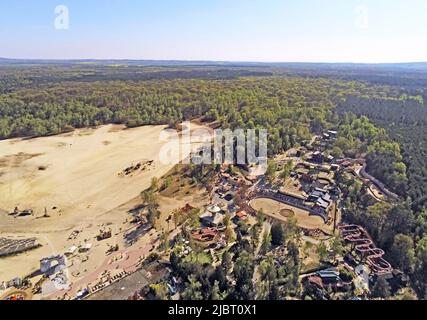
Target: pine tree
381, 288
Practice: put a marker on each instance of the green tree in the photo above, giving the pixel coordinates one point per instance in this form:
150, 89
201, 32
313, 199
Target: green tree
420, 273
266, 242
277, 234
337, 247
159, 291
381, 288
174, 260
322, 251
193, 290
151, 205
227, 262
287, 169
268, 273
271, 171
216, 292
154, 184
402, 252
243, 271
261, 217
167, 183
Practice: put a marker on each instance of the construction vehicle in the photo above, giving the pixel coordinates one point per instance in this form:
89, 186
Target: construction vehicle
104, 234
112, 249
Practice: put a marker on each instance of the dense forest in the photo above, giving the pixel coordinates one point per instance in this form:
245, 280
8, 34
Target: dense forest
40, 100
291, 107
376, 119
405, 121
401, 229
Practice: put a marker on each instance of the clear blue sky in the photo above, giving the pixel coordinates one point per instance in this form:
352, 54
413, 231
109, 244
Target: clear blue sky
232, 30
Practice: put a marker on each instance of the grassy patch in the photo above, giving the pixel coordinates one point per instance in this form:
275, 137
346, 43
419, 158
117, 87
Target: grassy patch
201, 258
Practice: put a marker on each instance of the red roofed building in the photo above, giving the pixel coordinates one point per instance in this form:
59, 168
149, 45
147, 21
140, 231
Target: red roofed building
241, 216
316, 281
206, 235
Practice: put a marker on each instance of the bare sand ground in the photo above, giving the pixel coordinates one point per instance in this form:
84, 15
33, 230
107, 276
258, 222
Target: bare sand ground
77, 178
78, 173
273, 208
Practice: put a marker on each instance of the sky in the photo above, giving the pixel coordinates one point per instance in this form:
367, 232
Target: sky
368, 31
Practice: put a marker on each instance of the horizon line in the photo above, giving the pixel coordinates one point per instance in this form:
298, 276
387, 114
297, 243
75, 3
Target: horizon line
212, 61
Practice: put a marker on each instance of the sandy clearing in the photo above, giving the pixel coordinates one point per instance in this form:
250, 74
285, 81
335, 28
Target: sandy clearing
79, 174
272, 209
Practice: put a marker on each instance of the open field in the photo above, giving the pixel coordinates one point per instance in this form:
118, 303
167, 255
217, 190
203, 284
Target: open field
78, 173
80, 179
277, 210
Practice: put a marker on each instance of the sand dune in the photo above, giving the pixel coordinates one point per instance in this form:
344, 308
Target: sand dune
78, 173
81, 179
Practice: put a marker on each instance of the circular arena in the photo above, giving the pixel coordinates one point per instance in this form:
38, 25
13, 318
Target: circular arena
282, 212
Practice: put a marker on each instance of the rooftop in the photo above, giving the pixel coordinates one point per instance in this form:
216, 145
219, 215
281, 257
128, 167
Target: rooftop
242, 215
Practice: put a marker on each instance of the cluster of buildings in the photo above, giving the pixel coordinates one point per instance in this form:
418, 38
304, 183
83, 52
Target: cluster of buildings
328, 278
321, 157
318, 188
321, 198
211, 233
13, 283
328, 138
356, 282
213, 217
224, 205
330, 135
